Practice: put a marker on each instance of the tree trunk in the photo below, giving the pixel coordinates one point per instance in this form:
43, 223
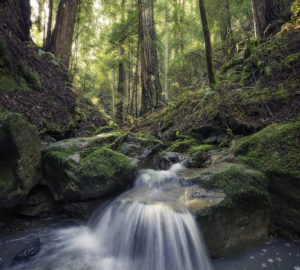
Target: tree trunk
49, 26
62, 37
151, 87
225, 26
208, 47
136, 82
269, 13
121, 89
182, 25
15, 15
167, 17
113, 90
259, 17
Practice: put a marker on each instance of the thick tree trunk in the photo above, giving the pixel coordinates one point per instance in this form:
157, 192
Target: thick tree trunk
151, 87
269, 13
167, 53
15, 15
62, 37
49, 26
208, 47
225, 26
259, 17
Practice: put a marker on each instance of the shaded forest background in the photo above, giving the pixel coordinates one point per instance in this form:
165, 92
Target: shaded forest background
106, 39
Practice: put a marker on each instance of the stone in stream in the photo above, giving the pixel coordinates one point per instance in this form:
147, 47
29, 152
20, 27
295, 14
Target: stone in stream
30, 250
236, 221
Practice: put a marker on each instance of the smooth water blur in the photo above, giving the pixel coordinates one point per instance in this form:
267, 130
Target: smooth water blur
146, 228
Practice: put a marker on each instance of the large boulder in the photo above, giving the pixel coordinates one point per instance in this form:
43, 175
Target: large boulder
275, 151
20, 160
86, 169
240, 220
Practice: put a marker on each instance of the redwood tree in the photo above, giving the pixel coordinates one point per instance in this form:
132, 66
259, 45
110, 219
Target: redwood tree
15, 15
61, 39
269, 13
151, 87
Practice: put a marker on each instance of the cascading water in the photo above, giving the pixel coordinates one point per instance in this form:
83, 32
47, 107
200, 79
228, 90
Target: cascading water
146, 228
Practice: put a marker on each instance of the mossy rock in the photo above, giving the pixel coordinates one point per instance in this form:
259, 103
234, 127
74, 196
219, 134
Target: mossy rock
184, 145
243, 219
20, 164
274, 150
75, 173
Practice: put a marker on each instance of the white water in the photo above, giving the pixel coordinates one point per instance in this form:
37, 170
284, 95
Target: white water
145, 228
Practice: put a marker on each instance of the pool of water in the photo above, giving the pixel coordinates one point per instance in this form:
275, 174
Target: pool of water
279, 254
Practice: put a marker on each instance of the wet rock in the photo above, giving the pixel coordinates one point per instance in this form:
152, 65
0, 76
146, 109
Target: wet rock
197, 159
20, 159
31, 249
234, 222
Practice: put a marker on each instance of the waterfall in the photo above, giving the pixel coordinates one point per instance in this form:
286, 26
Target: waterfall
145, 228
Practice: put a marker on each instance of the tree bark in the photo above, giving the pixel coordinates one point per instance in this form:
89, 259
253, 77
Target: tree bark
225, 26
167, 17
62, 37
113, 90
15, 15
121, 88
151, 87
269, 13
208, 47
182, 25
259, 17
49, 26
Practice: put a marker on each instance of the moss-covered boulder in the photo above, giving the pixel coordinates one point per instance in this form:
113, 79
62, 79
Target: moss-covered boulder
20, 160
85, 168
275, 151
243, 218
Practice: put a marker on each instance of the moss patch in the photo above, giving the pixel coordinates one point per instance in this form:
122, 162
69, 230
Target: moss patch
239, 186
202, 148
275, 149
104, 164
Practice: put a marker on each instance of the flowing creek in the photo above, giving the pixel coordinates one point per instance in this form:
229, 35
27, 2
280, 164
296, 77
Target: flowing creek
148, 227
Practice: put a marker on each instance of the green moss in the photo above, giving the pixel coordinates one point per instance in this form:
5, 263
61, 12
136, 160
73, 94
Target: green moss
183, 146
251, 46
104, 163
8, 83
274, 150
233, 62
60, 154
239, 185
4, 55
106, 138
293, 58
106, 129
246, 74
32, 78
253, 59
202, 148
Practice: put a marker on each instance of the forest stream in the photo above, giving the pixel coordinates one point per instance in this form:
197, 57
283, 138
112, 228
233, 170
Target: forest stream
148, 227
